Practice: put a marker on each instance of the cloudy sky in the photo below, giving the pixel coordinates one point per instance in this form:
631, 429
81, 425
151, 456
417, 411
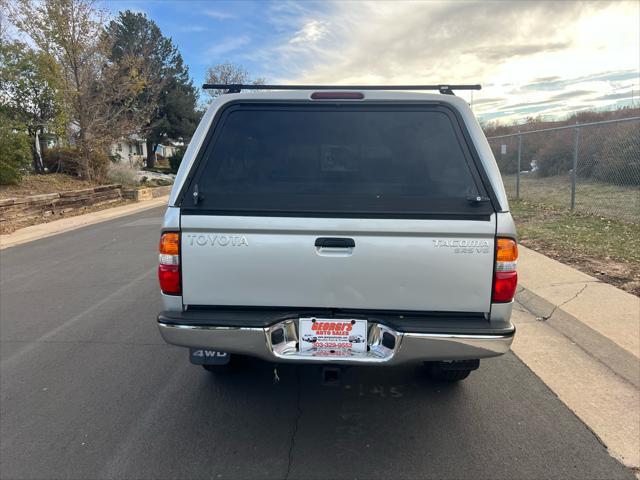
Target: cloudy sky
532, 58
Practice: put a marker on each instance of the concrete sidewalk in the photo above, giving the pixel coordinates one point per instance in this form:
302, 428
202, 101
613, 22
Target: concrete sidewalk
43, 230
599, 317
606, 309
582, 338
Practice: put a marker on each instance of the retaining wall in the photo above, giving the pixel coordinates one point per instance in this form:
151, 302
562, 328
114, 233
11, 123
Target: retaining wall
18, 212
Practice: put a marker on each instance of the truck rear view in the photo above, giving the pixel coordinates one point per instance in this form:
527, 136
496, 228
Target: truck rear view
339, 227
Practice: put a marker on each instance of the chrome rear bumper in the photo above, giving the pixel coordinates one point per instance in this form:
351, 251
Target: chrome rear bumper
270, 344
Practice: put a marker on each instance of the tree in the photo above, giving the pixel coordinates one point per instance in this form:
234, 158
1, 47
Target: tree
14, 152
97, 95
165, 105
177, 115
228, 73
29, 93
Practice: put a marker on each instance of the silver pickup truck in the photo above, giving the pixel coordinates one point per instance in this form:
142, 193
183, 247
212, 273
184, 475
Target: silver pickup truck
343, 226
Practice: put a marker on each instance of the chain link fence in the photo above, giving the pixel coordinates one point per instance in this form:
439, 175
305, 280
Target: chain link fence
591, 168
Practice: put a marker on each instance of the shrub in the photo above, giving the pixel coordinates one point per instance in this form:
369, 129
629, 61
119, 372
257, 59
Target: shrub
616, 158
15, 154
553, 152
607, 153
71, 161
122, 173
98, 166
176, 159
62, 160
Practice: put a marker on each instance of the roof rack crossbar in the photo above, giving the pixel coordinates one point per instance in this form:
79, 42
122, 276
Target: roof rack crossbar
446, 89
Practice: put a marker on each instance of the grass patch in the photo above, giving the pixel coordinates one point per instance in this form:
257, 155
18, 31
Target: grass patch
599, 246
603, 199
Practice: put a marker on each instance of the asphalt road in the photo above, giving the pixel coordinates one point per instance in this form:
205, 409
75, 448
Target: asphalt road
89, 390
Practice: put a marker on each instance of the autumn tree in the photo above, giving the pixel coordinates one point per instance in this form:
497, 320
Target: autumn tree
166, 101
15, 150
98, 96
30, 95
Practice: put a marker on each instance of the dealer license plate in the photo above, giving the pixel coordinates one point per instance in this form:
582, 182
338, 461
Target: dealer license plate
330, 337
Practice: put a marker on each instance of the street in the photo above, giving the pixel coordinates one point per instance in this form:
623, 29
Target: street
88, 389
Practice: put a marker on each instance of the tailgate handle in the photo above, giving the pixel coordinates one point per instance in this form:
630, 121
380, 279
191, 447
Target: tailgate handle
332, 242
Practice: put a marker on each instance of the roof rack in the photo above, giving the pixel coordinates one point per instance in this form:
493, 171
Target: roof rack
238, 87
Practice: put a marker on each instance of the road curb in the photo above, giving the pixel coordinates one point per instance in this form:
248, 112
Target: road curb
607, 310
614, 357
579, 336
43, 230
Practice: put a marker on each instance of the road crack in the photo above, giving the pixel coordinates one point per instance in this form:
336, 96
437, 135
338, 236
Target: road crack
295, 425
547, 317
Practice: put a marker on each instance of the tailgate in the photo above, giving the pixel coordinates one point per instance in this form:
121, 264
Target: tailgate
421, 265
393, 189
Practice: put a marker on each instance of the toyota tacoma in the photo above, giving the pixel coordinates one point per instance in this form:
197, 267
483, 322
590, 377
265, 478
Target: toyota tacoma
333, 214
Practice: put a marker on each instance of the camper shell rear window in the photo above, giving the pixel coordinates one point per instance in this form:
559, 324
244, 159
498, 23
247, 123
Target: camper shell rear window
339, 159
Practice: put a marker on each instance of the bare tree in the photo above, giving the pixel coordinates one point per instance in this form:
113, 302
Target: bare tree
229, 73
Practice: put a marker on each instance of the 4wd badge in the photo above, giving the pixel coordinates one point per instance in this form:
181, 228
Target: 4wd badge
201, 356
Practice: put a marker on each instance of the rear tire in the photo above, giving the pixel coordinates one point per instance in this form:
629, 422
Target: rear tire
439, 372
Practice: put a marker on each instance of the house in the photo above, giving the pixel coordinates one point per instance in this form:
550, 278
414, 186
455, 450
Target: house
132, 149
169, 148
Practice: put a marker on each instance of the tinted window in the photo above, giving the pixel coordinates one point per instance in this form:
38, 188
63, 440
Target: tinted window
342, 160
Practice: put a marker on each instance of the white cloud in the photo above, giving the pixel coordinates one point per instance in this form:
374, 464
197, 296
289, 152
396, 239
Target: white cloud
193, 28
504, 46
225, 46
311, 32
218, 15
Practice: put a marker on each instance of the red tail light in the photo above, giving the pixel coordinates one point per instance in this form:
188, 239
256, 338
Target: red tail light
169, 276
504, 286
505, 277
169, 268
